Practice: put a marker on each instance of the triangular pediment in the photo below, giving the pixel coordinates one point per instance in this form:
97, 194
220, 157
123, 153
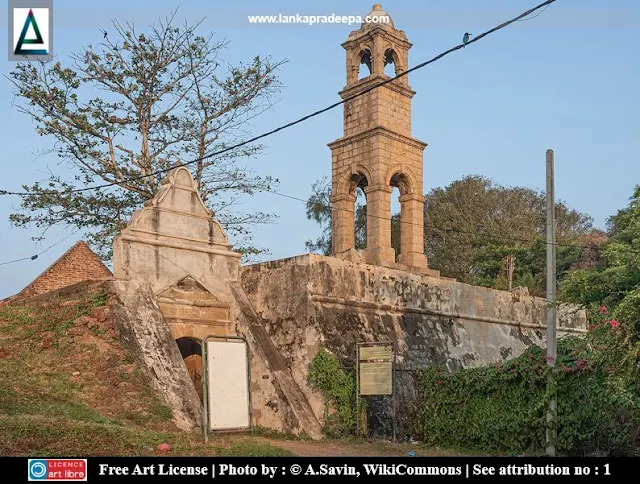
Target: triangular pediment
187, 286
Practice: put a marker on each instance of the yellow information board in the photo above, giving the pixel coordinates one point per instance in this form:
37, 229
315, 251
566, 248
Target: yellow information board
380, 352
375, 370
376, 379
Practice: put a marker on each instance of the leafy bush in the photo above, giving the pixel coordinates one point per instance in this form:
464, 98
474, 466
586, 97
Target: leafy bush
503, 408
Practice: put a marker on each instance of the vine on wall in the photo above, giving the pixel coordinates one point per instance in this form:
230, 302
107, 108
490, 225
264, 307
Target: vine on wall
338, 386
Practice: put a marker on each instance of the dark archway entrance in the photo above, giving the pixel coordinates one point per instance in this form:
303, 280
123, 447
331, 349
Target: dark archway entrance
191, 351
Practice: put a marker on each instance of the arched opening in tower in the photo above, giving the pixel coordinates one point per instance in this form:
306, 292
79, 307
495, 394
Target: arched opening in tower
395, 220
391, 63
365, 60
399, 218
359, 183
191, 351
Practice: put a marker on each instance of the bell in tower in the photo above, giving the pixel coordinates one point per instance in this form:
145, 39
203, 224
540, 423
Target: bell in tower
377, 152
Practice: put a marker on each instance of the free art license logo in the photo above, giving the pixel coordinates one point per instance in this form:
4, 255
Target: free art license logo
57, 469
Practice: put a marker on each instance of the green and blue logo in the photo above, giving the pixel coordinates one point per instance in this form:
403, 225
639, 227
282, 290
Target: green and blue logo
30, 29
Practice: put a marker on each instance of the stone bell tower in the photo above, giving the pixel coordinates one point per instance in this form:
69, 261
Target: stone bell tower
377, 152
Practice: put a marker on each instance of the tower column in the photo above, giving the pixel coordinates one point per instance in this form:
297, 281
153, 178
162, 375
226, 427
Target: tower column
379, 250
378, 56
412, 231
342, 223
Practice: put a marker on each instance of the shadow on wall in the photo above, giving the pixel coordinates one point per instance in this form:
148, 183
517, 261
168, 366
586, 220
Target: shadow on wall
191, 351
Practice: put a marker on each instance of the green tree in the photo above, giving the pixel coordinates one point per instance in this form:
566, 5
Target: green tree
137, 103
472, 224
530, 264
614, 284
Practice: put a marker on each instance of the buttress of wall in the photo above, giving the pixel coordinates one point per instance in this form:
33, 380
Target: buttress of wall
310, 301
176, 245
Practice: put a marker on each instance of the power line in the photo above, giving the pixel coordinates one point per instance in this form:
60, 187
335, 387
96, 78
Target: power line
389, 219
536, 15
35, 256
309, 116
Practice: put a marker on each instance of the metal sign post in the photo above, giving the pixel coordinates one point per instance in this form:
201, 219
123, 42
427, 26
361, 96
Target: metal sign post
376, 375
206, 385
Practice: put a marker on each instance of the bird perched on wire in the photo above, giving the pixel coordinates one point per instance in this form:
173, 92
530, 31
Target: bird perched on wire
465, 39
104, 34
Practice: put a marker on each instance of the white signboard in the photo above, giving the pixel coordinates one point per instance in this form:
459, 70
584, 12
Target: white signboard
227, 385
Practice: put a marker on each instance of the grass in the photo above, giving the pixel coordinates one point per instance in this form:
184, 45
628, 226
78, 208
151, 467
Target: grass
39, 435
387, 447
37, 381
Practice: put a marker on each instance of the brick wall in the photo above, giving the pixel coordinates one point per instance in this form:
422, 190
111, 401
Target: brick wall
78, 264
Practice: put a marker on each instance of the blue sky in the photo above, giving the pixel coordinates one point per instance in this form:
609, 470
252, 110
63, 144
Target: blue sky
566, 80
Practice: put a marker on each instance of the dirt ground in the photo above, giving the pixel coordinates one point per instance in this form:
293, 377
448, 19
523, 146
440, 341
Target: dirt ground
342, 448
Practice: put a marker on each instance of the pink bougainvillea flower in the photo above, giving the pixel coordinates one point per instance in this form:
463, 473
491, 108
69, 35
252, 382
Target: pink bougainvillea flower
567, 369
603, 309
614, 323
581, 363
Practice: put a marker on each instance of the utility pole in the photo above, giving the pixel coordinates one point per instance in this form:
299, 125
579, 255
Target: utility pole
552, 411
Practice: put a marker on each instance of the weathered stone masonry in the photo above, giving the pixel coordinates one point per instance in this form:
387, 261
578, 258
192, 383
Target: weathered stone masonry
176, 255
311, 301
176, 245
175, 270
